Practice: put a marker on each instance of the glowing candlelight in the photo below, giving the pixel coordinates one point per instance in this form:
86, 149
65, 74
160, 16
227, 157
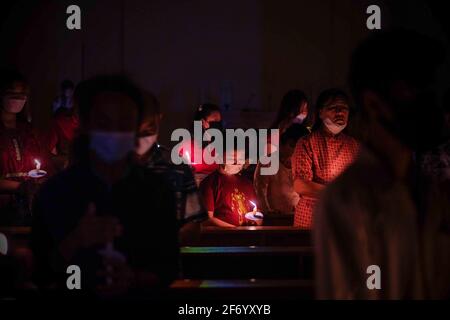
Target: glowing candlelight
37, 173
38, 164
188, 156
255, 209
254, 217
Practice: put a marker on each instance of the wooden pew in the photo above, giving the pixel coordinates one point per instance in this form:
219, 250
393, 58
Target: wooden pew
278, 219
247, 262
254, 236
245, 289
18, 237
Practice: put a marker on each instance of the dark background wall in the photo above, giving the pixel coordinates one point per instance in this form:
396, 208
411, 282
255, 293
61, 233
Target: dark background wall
244, 54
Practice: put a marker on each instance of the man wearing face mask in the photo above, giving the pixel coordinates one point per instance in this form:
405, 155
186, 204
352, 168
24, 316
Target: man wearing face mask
157, 159
113, 219
226, 194
323, 155
19, 147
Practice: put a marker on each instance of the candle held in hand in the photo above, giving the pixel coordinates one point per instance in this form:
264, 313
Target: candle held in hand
255, 208
37, 173
38, 164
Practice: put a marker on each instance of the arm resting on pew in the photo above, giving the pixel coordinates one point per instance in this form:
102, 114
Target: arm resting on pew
9, 185
213, 221
308, 189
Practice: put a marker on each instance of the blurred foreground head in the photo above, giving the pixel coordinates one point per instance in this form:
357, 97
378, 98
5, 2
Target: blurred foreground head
110, 109
392, 77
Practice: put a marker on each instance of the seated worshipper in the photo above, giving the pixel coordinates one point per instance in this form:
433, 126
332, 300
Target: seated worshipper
63, 130
20, 148
157, 159
226, 194
381, 230
276, 193
114, 220
211, 118
322, 155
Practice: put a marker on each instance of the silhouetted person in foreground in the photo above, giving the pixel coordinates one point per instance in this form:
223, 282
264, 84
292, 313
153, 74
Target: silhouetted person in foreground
381, 211
114, 220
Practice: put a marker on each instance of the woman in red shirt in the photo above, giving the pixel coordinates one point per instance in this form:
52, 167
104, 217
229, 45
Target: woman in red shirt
322, 155
19, 148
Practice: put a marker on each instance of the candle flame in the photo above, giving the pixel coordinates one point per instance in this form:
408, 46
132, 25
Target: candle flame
38, 164
254, 206
187, 155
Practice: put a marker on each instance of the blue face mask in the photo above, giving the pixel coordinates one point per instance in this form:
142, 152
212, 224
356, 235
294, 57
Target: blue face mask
111, 146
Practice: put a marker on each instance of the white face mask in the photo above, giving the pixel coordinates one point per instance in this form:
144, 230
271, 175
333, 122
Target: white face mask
112, 146
333, 127
232, 169
145, 144
300, 118
13, 105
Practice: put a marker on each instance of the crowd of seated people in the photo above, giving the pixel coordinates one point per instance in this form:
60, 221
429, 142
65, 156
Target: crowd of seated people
113, 202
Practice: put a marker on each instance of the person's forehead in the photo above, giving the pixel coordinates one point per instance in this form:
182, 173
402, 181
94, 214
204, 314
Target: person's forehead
17, 86
334, 102
235, 154
115, 100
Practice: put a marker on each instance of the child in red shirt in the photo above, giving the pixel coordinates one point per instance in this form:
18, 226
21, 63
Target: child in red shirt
227, 195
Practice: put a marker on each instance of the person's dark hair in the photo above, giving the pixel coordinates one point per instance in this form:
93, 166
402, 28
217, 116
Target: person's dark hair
324, 99
293, 134
205, 110
387, 56
289, 107
87, 90
8, 77
67, 84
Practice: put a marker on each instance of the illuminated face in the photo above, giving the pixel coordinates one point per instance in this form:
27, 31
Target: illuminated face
15, 97
303, 110
213, 117
234, 163
337, 110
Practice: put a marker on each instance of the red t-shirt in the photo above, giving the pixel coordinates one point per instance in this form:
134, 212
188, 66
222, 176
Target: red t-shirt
228, 196
18, 149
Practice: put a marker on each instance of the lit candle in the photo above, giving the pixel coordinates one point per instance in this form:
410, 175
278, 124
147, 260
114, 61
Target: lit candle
37, 173
254, 217
188, 157
38, 164
255, 209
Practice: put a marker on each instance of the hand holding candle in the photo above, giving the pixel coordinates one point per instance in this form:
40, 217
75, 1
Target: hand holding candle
37, 173
254, 217
255, 208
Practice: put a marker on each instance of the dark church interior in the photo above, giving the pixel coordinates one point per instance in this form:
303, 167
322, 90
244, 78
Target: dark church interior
102, 196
